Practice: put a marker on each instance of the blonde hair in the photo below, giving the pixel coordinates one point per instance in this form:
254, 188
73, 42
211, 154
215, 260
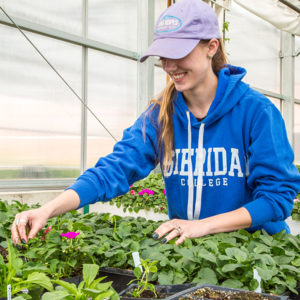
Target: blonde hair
165, 101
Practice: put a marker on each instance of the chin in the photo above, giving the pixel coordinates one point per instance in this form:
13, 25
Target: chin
181, 88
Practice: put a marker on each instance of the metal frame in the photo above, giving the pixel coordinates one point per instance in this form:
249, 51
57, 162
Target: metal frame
70, 38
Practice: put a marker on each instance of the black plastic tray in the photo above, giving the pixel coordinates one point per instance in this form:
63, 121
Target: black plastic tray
215, 287
168, 290
119, 277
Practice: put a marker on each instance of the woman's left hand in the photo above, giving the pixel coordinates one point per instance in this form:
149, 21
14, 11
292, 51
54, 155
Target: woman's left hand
180, 228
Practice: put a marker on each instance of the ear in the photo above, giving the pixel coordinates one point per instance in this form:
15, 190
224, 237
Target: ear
213, 45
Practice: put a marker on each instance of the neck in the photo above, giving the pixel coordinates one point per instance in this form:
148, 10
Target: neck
200, 98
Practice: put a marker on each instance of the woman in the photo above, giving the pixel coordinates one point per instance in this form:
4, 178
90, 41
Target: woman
223, 148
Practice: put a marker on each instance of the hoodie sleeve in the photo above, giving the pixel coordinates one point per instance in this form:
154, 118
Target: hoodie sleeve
273, 178
132, 159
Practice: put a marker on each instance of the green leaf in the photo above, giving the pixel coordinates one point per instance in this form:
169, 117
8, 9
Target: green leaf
165, 277
232, 283
179, 278
57, 295
71, 287
153, 269
40, 279
231, 267
296, 262
265, 274
236, 253
105, 295
253, 284
290, 268
137, 272
203, 253
89, 272
207, 275
134, 246
261, 248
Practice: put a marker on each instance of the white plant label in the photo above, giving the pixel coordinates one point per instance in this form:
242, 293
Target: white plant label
9, 292
258, 278
136, 260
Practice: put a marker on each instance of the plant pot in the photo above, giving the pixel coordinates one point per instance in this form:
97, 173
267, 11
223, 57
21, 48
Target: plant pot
119, 277
293, 296
222, 293
163, 291
76, 279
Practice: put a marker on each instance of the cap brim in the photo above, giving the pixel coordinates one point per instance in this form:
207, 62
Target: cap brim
170, 48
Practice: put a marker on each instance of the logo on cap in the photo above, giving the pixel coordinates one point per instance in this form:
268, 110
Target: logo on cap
167, 24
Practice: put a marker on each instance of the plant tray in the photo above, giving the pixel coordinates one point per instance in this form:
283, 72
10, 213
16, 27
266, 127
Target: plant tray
163, 291
119, 277
222, 293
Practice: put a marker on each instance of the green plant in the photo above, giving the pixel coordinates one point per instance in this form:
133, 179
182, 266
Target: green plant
224, 30
11, 274
89, 287
7, 215
142, 278
147, 194
296, 209
62, 254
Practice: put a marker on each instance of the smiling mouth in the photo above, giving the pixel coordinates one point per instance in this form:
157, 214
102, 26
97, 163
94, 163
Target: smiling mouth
178, 76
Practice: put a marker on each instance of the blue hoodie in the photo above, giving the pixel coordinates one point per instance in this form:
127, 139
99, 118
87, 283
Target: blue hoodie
238, 156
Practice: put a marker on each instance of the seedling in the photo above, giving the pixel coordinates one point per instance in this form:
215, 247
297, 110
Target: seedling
142, 278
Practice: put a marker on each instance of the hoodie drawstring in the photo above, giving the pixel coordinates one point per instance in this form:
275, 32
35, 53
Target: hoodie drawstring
195, 215
190, 206
200, 173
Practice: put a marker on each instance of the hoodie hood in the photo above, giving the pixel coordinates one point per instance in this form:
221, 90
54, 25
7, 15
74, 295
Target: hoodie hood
230, 91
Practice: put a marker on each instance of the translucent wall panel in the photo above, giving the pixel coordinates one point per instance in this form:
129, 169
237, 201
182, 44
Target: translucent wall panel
112, 95
297, 69
113, 22
255, 45
160, 80
276, 102
60, 14
160, 6
39, 116
297, 133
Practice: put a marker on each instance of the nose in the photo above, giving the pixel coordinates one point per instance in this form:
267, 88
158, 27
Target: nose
169, 65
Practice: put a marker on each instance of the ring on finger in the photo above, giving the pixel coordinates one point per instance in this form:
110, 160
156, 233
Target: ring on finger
18, 221
178, 229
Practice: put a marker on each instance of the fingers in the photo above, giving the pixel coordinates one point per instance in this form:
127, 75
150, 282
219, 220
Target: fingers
173, 234
18, 229
181, 239
168, 231
14, 234
33, 231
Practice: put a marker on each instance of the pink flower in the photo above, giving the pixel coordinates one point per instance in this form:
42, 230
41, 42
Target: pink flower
70, 235
296, 200
164, 191
161, 208
132, 192
143, 191
131, 186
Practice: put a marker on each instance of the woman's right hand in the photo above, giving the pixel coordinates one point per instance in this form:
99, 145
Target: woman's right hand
31, 220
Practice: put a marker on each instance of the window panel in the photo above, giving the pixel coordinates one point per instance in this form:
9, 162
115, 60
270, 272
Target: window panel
297, 133
297, 68
160, 80
113, 22
39, 116
54, 13
254, 44
112, 95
